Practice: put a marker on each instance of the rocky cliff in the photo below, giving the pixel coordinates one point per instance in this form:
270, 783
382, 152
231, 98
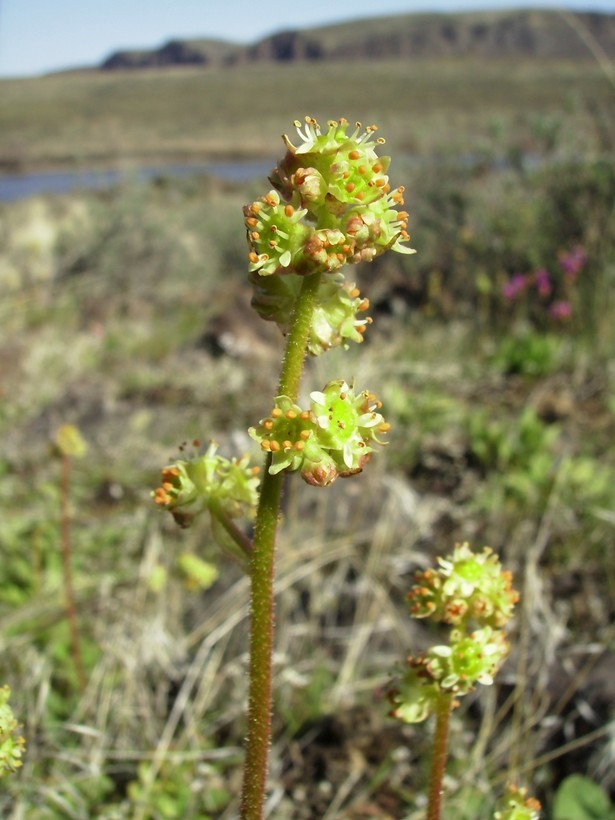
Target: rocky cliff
531, 34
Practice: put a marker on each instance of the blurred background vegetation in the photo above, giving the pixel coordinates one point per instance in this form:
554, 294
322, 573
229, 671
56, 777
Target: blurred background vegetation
126, 313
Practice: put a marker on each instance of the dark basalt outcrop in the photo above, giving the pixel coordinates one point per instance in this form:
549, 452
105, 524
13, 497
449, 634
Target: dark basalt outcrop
526, 34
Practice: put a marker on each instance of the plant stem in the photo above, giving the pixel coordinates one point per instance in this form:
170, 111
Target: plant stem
69, 595
262, 571
242, 549
438, 761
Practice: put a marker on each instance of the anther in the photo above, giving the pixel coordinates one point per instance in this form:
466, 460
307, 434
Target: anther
276, 413
274, 446
291, 414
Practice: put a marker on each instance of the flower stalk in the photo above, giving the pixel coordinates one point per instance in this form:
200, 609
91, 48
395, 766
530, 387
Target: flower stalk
262, 571
439, 754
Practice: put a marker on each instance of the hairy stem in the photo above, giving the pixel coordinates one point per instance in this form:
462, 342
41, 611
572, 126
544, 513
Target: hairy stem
262, 571
438, 760
69, 595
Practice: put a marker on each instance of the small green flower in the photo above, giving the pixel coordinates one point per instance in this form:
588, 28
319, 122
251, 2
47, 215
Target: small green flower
190, 486
347, 424
288, 435
12, 745
327, 251
334, 438
337, 316
466, 586
276, 235
415, 698
516, 805
347, 168
378, 227
469, 659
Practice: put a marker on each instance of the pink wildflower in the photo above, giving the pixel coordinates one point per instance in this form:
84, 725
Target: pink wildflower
542, 280
514, 287
572, 262
561, 311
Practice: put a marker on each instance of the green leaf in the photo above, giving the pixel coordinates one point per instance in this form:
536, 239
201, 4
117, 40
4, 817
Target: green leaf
579, 798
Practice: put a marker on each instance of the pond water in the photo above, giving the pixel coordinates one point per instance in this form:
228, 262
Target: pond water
20, 186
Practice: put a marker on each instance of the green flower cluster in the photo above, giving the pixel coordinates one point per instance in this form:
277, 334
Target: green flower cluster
516, 805
332, 439
470, 592
12, 745
207, 480
467, 585
332, 205
337, 315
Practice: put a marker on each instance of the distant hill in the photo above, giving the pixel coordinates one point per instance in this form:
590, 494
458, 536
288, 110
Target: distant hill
539, 34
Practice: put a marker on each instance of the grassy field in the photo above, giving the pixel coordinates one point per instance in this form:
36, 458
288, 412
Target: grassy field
127, 313
423, 107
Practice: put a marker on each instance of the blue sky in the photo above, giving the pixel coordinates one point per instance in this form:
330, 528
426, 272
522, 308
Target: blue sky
44, 35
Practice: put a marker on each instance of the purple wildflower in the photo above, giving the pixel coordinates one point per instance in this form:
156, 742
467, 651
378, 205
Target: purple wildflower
572, 262
514, 287
542, 280
561, 311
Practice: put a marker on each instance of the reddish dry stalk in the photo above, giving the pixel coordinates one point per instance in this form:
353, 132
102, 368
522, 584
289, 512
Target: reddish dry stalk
438, 761
71, 609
